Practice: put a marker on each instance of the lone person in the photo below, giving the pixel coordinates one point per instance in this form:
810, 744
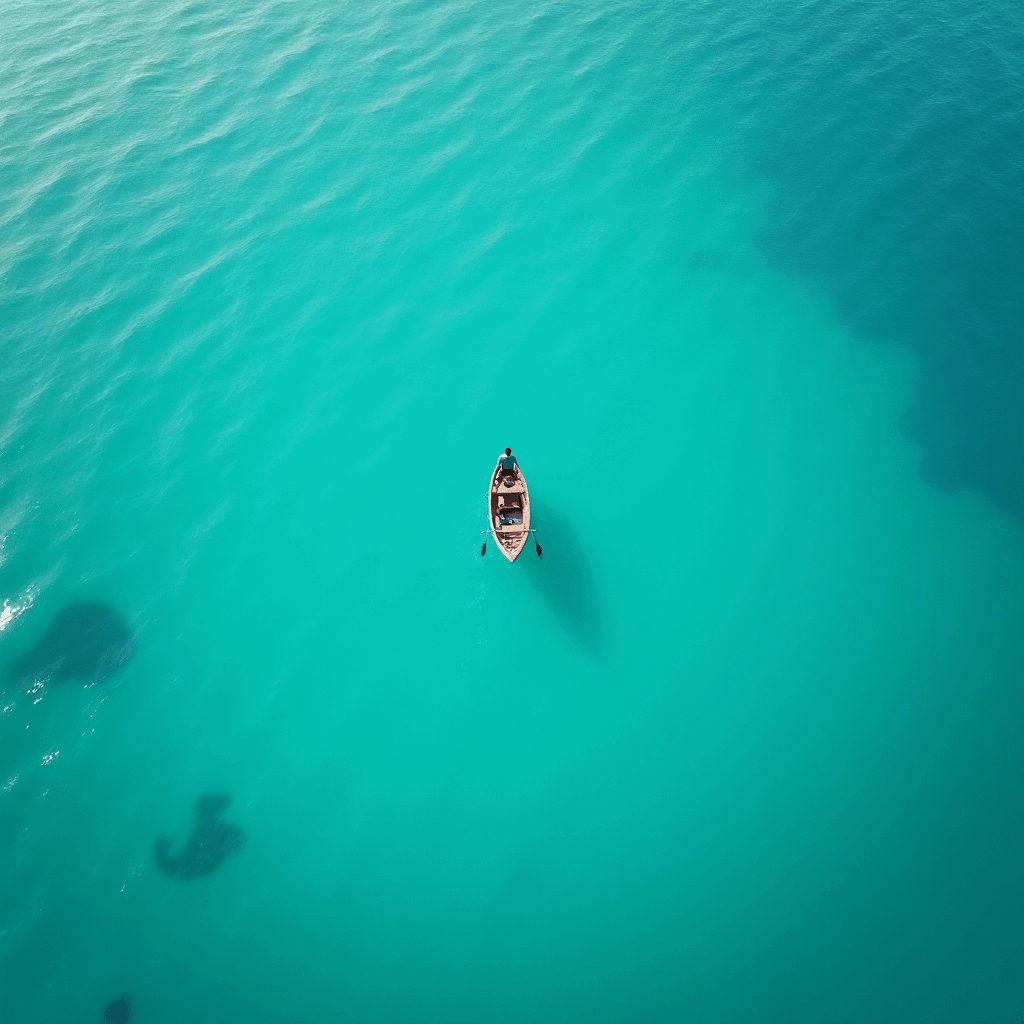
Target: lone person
509, 466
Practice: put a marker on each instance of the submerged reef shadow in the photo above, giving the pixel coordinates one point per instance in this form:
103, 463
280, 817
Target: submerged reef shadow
855, 172
87, 640
119, 1011
210, 842
564, 576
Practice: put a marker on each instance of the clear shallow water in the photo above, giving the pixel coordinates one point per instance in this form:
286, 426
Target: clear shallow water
744, 747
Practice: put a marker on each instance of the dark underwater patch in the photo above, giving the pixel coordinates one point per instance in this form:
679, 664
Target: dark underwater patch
210, 842
119, 1011
87, 640
892, 135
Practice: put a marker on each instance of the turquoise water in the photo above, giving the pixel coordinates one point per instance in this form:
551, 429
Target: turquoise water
276, 286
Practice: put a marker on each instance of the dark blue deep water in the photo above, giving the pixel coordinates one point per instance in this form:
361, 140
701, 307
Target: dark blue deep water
893, 139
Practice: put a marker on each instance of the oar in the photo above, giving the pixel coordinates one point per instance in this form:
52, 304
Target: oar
483, 547
540, 550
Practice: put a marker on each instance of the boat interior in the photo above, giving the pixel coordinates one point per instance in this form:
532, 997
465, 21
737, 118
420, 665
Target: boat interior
507, 504
508, 509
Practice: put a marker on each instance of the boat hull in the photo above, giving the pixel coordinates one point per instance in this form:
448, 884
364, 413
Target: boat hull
508, 501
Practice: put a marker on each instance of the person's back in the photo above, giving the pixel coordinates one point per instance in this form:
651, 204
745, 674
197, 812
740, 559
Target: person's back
508, 463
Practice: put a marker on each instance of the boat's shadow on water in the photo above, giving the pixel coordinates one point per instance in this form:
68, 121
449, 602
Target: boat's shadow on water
564, 576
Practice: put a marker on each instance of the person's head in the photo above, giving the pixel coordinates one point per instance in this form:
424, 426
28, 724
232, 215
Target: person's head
508, 451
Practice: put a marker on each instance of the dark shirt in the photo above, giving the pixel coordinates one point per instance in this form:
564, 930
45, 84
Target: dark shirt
508, 463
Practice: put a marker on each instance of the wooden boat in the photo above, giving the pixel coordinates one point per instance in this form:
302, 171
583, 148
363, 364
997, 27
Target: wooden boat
510, 511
